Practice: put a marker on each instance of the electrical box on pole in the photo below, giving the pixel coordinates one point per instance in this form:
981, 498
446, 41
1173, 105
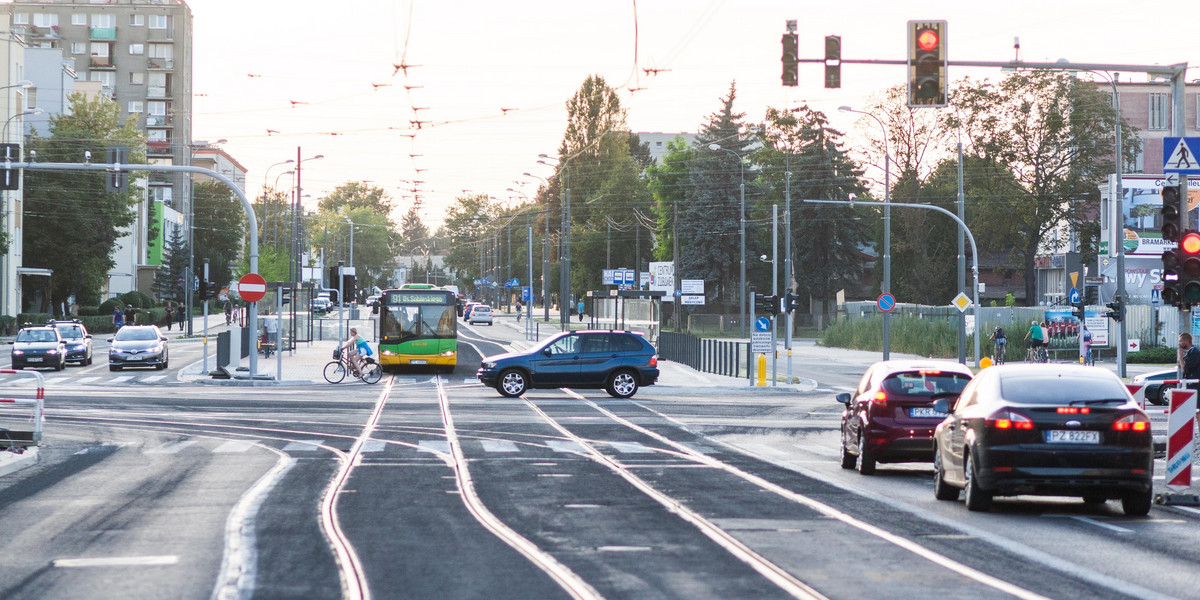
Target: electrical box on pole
927, 60
11, 179
833, 61
117, 180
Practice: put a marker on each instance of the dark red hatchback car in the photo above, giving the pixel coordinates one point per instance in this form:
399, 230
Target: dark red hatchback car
890, 416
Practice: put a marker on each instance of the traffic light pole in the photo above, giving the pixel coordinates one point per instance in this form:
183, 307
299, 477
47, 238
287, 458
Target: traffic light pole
775, 295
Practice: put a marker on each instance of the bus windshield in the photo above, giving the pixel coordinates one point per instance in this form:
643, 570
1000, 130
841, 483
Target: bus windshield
403, 322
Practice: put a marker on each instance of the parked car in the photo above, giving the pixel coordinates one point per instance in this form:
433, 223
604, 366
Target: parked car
138, 346
618, 361
1154, 384
890, 417
480, 313
39, 346
1050, 430
320, 305
77, 339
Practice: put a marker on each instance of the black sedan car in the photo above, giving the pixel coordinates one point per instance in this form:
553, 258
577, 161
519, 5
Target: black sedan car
1047, 430
618, 361
39, 347
77, 339
138, 346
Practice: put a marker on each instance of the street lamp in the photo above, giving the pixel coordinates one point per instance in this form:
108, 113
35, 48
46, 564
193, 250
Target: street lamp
294, 253
189, 277
742, 228
886, 287
545, 251
4, 288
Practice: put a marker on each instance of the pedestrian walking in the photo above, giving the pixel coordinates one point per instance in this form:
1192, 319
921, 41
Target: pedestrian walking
581, 311
180, 314
170, 309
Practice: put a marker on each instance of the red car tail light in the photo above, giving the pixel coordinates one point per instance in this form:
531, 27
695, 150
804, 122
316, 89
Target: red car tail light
1134, 422
879, 399
1073, 410
1010, 420
654, 360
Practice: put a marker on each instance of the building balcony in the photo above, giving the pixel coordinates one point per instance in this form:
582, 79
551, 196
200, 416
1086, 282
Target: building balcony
103, 34
157, 92
160, 64
101, 62
159, 121
158, 147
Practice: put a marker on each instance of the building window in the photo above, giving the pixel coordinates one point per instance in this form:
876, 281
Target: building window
1158, 111
100, 49
156, 109
104, 21
107, 78
166, 51
78, 19
1138, 164
137, 77
79, 48
45, 20
136, 106
20, 18
160, 22
156, 135
137, 48
137, 20
1197, 111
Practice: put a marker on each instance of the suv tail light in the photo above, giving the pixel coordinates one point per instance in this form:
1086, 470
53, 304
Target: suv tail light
1010, 420
1134, 422
654, 360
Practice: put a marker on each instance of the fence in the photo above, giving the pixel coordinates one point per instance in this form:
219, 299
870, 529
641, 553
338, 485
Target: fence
13, 439
719, 357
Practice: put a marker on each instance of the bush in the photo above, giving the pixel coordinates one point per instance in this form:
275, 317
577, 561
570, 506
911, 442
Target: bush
136, 299
1152, 355
33, 318
925, 337
106, 307
89, 311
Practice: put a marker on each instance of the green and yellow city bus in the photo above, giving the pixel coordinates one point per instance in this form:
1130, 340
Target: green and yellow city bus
418, 328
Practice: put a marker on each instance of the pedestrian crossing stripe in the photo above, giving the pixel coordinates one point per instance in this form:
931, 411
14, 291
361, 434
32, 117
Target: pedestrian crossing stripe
303, 446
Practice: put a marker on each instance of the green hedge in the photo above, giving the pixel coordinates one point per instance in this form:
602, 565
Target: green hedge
936, 339
1152, 355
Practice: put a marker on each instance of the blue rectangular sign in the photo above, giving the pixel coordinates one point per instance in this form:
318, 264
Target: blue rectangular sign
1180, 155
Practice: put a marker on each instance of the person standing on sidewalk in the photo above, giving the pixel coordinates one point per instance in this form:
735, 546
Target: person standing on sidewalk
170, 309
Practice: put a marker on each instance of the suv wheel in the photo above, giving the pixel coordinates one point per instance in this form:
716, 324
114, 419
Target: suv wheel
512, 383
622, 384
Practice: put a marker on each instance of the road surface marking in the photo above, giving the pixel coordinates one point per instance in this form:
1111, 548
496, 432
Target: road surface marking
441, 446
235, 446
566, 446
121, 379
116, 561
630, 447
499, 446
303, 446
373, 446
171, 447
152, 378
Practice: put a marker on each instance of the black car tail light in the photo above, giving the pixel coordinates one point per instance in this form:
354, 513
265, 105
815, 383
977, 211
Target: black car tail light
879, 399
1133, 422
1010, 420
1073, 410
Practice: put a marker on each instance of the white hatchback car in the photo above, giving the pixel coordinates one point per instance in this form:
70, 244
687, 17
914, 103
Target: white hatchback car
480, 313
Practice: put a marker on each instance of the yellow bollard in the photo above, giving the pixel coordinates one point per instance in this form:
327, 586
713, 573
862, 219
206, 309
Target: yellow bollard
762, 370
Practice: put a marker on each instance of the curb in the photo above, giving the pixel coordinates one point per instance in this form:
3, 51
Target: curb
11, 462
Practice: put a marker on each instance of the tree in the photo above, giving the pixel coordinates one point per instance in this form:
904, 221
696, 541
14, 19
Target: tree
220, 222
355, 195
169, 279
414, 234
466, 223
1048, 136
72, 205
376, 238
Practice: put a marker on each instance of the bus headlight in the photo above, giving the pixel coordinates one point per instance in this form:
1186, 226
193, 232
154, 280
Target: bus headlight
448, 353
387, 353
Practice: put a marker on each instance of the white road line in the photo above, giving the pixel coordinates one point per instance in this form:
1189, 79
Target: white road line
630, 448
152, 378
172, 447
373, 446
121, 379
86, 379
439, 446
1187, 509
303, 446
1107, 526
116, 561
239, 563
566, 446
499, 446
235, 446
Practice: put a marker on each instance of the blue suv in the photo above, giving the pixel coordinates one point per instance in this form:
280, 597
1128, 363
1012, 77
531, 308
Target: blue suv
617, 361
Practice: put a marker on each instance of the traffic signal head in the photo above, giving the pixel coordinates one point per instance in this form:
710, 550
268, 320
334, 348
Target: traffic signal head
1116, 310
1189, 268
833, 61
927, 63
1079, 312
790, 59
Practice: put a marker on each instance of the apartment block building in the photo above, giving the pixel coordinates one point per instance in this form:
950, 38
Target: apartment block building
140, 53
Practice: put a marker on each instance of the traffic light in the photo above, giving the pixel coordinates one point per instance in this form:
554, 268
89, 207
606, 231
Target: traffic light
10, 179
1116, 309
833, 61
201, 289
790, 59
766, 304
1189, 268
1078, 309
1172, 225
926, 64
791, 302
210, 290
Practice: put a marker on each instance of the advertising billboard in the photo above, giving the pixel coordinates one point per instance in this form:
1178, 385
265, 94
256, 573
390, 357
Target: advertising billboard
1140, 219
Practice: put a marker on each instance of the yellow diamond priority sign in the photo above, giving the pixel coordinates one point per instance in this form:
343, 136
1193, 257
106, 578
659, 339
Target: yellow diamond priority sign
961, 301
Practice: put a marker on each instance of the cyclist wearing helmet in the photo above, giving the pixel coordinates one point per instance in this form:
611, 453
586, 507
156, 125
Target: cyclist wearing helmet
1001, 341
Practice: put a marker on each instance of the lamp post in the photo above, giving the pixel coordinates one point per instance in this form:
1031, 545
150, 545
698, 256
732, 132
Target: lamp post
545, 254
266, 173
742, 233
4, 279
189, 277
294, 252
886, 287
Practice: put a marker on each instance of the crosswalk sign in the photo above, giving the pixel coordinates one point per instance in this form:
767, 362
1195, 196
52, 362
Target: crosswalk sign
1180, 155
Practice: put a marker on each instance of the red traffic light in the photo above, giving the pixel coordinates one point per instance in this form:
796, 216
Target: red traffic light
927, 40
1190, 243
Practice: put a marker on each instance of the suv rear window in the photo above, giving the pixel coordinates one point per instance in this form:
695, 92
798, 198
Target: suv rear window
917, 383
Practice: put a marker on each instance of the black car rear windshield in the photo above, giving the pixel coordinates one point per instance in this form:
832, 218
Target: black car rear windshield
1060, 389
924, 383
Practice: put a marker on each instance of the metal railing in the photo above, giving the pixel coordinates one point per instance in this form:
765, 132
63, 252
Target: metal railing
719, 357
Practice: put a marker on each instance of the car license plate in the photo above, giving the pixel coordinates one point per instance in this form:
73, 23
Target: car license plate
417, 362
135, 357
1057, 436
34, 359
924, 411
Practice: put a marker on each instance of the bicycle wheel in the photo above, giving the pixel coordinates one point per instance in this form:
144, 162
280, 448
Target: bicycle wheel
372, 373
335, 371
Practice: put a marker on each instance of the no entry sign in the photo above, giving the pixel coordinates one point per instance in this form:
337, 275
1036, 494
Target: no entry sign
252, 287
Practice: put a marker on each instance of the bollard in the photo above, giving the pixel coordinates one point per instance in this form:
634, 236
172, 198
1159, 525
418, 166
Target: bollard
762, 370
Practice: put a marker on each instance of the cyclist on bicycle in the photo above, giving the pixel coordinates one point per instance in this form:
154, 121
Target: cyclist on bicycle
1001, 342
353, 349
1037, 338
1088, 359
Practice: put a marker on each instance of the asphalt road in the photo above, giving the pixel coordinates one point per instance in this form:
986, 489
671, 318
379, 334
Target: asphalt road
431, 486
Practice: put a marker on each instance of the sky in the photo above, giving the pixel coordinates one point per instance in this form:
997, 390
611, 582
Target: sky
494, 76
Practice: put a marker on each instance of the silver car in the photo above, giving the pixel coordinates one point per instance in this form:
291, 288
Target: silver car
138, 346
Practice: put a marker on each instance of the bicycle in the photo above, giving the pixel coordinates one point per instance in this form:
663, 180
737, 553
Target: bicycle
336, 369
1037, 354
998, 353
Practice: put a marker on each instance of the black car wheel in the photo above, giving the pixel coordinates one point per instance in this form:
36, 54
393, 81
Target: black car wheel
866, 460
512, 383
62, 364
978, 499
1154, 395
848, 459
89, 360
622, 384
941, 489
1137, 504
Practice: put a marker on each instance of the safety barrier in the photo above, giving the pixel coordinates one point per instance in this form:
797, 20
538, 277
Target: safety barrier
14, 439
720, 357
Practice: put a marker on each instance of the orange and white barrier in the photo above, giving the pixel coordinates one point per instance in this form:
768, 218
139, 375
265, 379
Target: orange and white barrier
1180, 438
38, 402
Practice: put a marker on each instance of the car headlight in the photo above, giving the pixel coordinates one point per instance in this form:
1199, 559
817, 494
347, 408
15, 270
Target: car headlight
488, 365
18, 352
387, 353
80, 347
52, 352
116, 351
